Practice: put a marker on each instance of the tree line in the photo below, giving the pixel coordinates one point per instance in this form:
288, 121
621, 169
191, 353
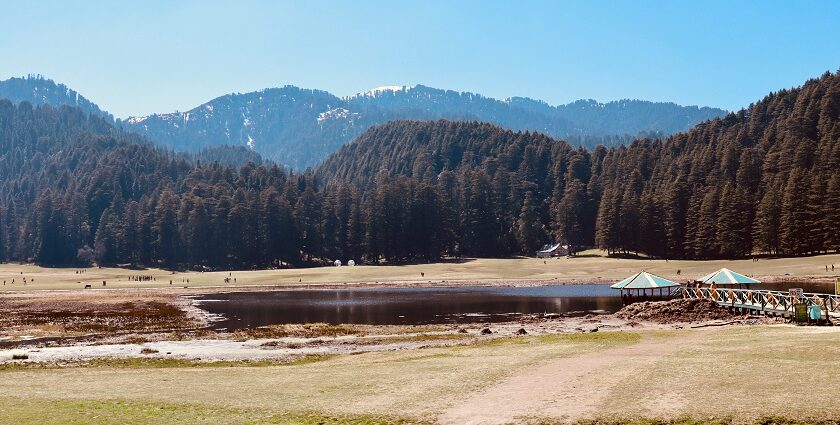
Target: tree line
76, 190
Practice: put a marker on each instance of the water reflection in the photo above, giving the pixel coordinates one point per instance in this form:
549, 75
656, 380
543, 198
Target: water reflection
379, 306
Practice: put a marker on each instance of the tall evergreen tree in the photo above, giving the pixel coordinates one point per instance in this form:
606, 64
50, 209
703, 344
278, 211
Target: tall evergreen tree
530, 233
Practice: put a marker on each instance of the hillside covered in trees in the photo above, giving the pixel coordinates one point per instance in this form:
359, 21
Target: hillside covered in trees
38, 90
75, 189
300, 128
762, 180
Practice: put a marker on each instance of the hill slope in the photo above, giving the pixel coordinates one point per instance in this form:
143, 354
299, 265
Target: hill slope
38, 90
762, 180
301, 127
74, 188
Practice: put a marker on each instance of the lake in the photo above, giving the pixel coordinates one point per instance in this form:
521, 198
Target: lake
406, 306
419, 306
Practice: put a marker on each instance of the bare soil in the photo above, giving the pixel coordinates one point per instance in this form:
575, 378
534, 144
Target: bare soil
78, 314
675, 311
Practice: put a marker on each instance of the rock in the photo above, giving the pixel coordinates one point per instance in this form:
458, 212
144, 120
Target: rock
462, 331
522, 331
593, 330
486, 331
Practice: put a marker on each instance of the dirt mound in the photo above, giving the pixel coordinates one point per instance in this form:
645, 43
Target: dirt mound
681, 310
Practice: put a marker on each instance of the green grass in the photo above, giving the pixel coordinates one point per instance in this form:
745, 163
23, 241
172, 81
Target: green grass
94, 412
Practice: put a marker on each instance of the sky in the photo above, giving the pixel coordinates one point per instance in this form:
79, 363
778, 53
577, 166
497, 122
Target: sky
142, 57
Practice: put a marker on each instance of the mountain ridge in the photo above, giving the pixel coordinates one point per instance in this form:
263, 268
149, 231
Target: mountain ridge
316, 123
301, 127
38, 90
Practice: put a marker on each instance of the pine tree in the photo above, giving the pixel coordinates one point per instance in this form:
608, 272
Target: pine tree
530, 232
198, 233
105, 243
308, 222
766, 236
831, 214
165, 229
675, 208
569, 220
794, 215
608, 223
815, 210
705, 242
728, 235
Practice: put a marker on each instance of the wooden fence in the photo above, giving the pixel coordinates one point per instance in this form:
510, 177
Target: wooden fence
768, 302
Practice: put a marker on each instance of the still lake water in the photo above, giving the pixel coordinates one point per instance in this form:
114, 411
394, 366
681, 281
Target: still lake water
406, 306
417, 306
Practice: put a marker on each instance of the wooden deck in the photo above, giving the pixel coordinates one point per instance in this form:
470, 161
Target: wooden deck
765, 302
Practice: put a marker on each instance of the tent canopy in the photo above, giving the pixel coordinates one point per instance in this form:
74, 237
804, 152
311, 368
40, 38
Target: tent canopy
644, 280
725, 276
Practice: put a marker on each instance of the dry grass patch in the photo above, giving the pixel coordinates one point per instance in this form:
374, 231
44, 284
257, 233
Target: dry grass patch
106, 412
755, 372
161, 363
407, 383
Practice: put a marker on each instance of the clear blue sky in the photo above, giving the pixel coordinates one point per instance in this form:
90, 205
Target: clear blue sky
136, 58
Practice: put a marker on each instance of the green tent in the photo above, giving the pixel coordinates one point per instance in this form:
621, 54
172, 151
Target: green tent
635, 288
725, 276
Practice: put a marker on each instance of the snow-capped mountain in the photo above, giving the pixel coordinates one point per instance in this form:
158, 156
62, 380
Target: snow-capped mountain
299, 127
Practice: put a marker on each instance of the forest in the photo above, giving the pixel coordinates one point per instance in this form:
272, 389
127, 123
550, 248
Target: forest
76, 190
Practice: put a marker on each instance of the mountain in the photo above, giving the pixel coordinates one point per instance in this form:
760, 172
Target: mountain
233, 156
38, 90
299, 127
74, 189
762, 180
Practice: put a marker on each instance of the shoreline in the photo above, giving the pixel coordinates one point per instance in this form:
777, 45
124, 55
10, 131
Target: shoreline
390, 284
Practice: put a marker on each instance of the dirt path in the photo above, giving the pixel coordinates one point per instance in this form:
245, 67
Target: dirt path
568, 388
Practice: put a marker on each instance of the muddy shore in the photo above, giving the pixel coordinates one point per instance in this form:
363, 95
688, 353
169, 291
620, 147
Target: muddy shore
79, 327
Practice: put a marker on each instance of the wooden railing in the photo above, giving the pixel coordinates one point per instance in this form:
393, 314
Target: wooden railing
775, 302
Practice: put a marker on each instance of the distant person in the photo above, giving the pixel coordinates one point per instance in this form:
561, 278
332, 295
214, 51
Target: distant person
679, 272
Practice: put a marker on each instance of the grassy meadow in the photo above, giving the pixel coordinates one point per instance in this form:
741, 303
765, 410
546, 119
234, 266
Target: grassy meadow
590, 267
611, 377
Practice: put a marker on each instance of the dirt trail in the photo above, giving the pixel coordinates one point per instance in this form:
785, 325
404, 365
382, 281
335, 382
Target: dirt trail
568, 388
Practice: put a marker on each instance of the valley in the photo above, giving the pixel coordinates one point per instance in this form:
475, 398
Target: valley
207, 218
141, 351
